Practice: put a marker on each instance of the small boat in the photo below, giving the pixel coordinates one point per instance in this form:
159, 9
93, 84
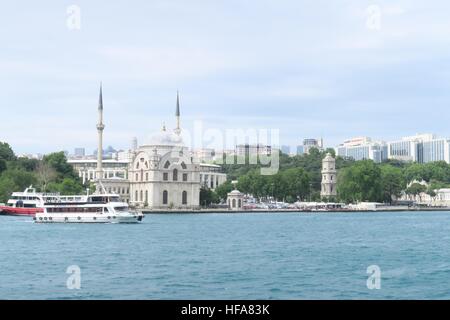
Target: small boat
96, 208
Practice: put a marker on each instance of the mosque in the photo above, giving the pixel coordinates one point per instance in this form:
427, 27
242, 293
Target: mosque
160, 174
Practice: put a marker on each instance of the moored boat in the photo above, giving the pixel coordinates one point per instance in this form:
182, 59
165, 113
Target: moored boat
26, 203
104, 208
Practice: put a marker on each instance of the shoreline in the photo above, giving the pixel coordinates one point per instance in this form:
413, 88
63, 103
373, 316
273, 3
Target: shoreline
205, 211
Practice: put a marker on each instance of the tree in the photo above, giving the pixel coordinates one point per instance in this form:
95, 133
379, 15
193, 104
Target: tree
45, 174
393, 182
2, 165
207, 196
68, 186
416, 189
6, 153
360, 182
223, 190
297, 184
58, 161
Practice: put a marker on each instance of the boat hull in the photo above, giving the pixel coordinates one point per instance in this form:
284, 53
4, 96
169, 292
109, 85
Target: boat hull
88, 218
12, 211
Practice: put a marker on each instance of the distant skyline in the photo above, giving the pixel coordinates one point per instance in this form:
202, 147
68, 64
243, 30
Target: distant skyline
308, 68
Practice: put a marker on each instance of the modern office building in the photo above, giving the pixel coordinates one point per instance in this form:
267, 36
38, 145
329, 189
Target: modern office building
79, 152
421, 148
363, 148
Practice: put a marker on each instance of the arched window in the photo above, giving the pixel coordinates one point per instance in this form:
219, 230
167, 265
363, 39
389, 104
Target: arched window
146, 196
167, 165
183, 165
184, 197
137, 177
146, 164
165, 197
136, 196
137, 165
146, 176
239, 203
142, 174
234, 203
142, 196
175, 174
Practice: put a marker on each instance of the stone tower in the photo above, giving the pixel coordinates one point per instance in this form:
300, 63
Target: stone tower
328, 177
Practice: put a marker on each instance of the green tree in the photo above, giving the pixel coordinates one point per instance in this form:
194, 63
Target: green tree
3, 165
393, 182
416, 189
58, 161
223, 190
207, 196
6, 153
297, 184
360, 182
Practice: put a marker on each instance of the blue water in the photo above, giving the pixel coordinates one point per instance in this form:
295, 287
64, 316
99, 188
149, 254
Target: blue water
230, 256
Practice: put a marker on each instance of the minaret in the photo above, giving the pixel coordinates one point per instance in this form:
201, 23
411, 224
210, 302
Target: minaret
177, 115
328, 177
100, 127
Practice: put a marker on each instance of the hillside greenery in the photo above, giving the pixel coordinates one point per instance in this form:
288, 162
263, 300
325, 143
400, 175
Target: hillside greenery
299, 179
51, 174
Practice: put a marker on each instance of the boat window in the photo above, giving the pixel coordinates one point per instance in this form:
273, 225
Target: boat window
121, 209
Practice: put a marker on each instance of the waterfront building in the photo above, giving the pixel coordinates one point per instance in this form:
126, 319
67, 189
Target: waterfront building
159, 174
328, 177
363, 148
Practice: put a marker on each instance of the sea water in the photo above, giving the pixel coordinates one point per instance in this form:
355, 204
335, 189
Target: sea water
230, 256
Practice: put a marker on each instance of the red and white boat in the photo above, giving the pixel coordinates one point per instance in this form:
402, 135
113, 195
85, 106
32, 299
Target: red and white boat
27, 203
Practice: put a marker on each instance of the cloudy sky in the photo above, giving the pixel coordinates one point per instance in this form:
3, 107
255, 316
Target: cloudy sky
335, 68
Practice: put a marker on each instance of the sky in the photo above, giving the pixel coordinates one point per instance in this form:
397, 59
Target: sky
334, 69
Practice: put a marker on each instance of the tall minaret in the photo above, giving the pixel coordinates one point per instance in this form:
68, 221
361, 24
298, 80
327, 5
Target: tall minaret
100, 127
177, 115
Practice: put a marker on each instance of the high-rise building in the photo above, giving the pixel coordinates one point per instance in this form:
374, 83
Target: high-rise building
363, 148
286, 149
79, 152
421, 148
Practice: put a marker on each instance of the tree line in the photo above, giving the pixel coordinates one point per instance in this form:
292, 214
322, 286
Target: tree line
51, 174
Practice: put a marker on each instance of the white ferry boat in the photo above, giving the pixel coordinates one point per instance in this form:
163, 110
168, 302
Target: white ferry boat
96, 208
